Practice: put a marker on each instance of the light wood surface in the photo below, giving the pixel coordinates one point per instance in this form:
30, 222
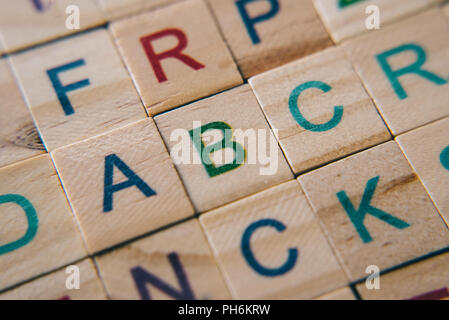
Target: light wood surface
44, 221
397, 192
315, 270
239, 110
108, 102
151, 254
209, 69
423, 100
115, 9
23, 24
357, 127
132, 212
295, 31
53, 286
339, 294
19, 139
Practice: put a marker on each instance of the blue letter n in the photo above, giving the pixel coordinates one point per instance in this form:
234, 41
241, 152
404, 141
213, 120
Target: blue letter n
357, 217
133, 180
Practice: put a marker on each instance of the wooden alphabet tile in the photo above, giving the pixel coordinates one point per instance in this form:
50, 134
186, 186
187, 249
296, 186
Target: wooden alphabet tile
121, 184
375, 210
176, 263
266, 34
39, 232
77, 88
175, 55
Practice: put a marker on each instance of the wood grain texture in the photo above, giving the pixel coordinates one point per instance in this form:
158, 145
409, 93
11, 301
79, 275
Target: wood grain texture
295, 31
349, 21
339, 294
82, 170
183, 83
398, 192
316, 269
57, 240
238, 109
53, 286
412, 281
110, 101
19, 139
424, 100
424, 148
22, 24
360, 126
116, 9
151, 254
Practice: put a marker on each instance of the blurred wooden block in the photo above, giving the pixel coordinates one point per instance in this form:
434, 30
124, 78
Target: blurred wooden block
77, 88
121, 184
345, 18
219, 124
270, 246
266, 34
115, 9
319, 108
425, 280
375, 210
175, 55
24, 23
446, 10
39, 232
339, 294
18, 135
405, 68
53, 286
427, 150
173, 264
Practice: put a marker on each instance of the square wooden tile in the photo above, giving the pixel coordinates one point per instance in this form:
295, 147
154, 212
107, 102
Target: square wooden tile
24, 23
53, 286
77, 88
339, 294
173, 264
39, 232
239, 153
115, 9
375, 210
175, 55
319, 101
121, 184
427, 150
425, 280
405, 68
270, 246
18, 135
266, 34
347, 18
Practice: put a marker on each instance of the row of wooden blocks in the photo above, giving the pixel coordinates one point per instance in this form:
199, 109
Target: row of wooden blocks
121, 184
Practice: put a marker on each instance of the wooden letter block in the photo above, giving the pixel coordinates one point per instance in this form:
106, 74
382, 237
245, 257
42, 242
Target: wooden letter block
268, 33
176, 55
425, 280
121, 184
174, 264
405, 68
115, 9
319, 109
347, 18
340, 294
53, 286
19, 139
375, 210
427, 150
77, 88
39, 232
270, 246
24, 23
223, 148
